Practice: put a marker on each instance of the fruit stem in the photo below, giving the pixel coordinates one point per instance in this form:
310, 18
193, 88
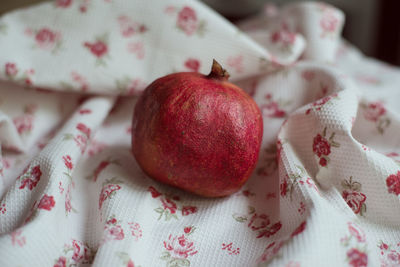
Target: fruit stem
218, 72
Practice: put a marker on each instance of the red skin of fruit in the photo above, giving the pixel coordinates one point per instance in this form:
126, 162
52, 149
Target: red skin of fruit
197, 133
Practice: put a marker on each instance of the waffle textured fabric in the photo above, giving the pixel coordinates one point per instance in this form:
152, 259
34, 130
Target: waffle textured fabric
325, 191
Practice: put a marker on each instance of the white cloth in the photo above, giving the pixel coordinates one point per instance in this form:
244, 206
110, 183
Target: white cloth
326, 188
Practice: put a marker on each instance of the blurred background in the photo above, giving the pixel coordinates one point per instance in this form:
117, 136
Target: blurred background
371, 25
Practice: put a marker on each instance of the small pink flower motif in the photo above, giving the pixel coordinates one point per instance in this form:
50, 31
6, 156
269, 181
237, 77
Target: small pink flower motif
354, 199
115, 232
83, 129
61, 262
293, 264
321, 146
81, 142
383, 246
46, 203
81, 252
187, 20
374, 111
187, 229
329, 22
95, 147
393, 183
357, 232
68, 205
357, 258
106, 191
154, 192
192, 64
84, 85
135, 87
187, 210
284, 37
135, 230
31, 177
98, 48
236, 63
270, 251
11, 69
63, 3
17, 239
258, 222
136, 48
180, 247
273, 110
299, 229
46, 38
283, 187
169, 204
68, 162
23, 123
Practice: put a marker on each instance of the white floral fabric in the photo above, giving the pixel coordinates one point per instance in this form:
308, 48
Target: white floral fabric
326, 188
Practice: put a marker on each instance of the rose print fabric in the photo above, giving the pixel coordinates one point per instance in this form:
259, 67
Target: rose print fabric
325, 191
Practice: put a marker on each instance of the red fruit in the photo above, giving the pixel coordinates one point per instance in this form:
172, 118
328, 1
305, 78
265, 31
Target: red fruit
196, 132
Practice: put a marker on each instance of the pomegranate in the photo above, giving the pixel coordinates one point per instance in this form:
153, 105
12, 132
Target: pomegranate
196, 132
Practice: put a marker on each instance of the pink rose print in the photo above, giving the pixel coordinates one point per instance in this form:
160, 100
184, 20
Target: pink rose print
80, 251
95, 147
272, 108
180, 247
129, 28
3, 208
374, 111
126, 259
393, 183
169, 205
68, 162
329, 23
113, 230
136, 230
30, 177
45, 38
353, 197
270, 251
17, 238
110, 188
83, 129
322, 147
192, 64
356, 232
154, 192
230, 249
236, 63
61, 262
23, 123
11, 69
187, 210
284, 38
79, 79
187, 20
99, 49
46, 203
299, 229
293, 264
136, 48
390, 257
317, 105
357, 258
63, 3
261, 223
